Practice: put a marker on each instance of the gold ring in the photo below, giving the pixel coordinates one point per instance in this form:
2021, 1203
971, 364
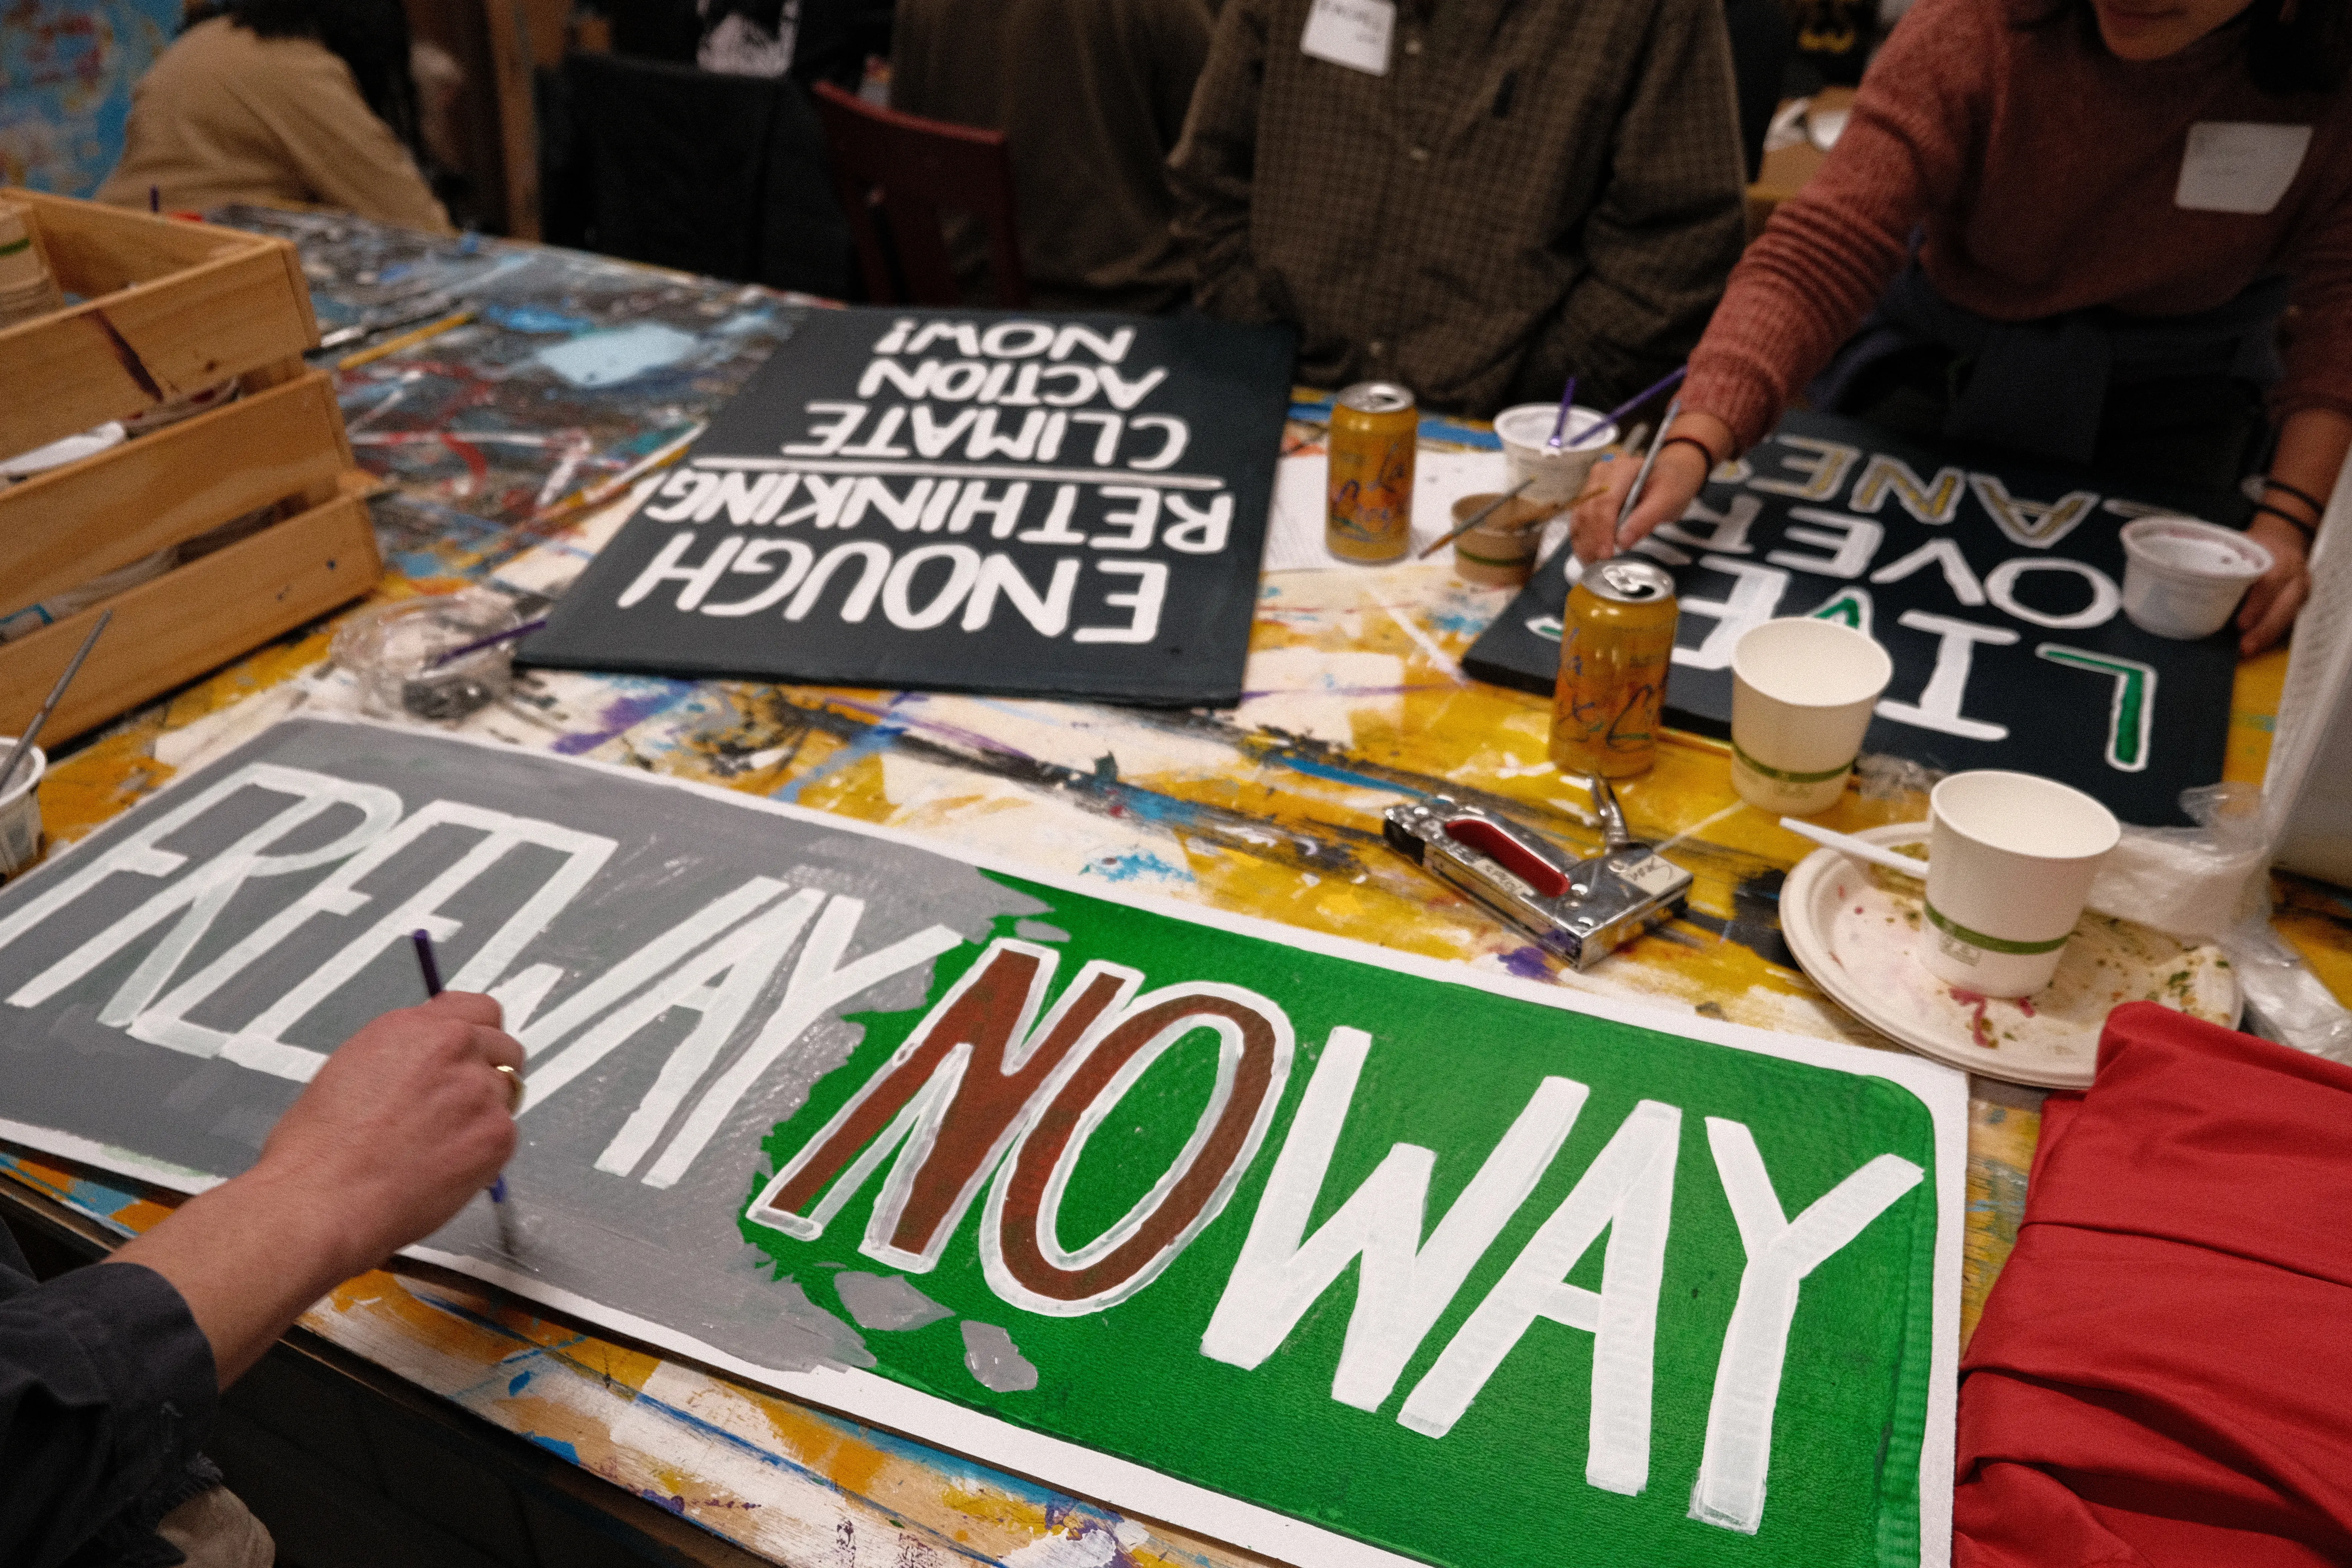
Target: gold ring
514, 1086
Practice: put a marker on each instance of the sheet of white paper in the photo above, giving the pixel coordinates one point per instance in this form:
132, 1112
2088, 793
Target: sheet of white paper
1294, 534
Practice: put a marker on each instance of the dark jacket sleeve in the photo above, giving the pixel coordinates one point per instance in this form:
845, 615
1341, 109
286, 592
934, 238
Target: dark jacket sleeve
106, 1389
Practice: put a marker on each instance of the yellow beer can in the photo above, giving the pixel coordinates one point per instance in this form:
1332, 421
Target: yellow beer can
1616, 646
1375, 431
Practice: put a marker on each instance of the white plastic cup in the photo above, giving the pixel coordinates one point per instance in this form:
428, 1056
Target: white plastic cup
1558, 473
1802, 691
20, 810
2009, 862
2183, 578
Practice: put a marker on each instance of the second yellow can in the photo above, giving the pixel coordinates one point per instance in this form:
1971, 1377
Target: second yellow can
1616, 647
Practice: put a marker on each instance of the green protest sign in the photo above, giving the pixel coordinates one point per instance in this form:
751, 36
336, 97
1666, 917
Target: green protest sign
1464, 1270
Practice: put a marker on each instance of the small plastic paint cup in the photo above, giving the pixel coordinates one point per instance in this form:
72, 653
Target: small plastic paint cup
2009, 862
395, 651
1802, 691
1500, 552
1558, 473
20, 810
2183, 578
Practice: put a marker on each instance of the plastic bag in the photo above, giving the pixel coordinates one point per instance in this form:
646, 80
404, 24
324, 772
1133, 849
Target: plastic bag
2211, 883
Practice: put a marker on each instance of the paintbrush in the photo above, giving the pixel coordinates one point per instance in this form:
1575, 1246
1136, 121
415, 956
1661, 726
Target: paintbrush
431, 970
404, 313
1481, 515
1559, 426
32, 731
405, 341
1657, 443
478, 643
597, 494
1673, 378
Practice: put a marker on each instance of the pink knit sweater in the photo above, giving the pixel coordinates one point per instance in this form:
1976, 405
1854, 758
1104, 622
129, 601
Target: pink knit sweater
2044, 171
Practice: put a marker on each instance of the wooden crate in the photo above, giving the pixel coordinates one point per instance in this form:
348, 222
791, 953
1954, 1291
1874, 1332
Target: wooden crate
169, 309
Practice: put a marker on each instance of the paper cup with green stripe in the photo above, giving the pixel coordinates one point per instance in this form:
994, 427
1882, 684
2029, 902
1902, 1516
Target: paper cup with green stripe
1802, 691
2009, 862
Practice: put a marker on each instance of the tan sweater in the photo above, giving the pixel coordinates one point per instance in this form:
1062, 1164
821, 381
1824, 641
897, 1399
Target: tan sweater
2043, 170
225, 116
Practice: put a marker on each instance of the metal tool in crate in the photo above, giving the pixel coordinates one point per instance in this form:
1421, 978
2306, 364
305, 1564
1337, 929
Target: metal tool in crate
1580, 910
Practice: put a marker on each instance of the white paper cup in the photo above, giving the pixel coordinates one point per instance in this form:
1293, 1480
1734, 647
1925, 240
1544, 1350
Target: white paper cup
2183, 578
1559, 476
2009, 862
1802, 695
20, 810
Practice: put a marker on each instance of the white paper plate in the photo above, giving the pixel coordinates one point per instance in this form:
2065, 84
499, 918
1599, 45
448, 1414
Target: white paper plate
1852, 927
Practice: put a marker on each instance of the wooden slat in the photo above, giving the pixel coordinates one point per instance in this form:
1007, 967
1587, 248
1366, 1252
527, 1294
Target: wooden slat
173, 308
167, 632
139, 347
79, 522
96, 250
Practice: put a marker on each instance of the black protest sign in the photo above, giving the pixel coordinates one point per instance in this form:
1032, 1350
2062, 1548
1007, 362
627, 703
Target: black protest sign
968, 500
1994, 583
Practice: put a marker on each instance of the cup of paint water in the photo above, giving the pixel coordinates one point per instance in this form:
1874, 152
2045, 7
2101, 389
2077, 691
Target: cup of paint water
2009, 862
438, 656
1500, 552
1556, 474
2183, 578
1802, 691
20, 810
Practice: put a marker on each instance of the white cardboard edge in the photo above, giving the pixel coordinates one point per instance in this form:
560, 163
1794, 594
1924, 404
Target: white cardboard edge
1123, 1483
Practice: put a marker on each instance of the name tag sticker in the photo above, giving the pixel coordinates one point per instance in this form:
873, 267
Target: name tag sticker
1355, 34
2235, 167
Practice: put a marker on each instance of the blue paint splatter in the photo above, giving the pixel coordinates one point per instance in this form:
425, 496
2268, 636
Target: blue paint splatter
1127, 867
1469, 623
608, 358
97, 1199
555, 1445
1316, 770
1527, 963
874, 741
536, 318
521, 1381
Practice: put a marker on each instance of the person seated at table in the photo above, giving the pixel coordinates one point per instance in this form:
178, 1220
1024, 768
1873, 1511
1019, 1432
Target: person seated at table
2079, 222
281, 103
1091, 97
110, 1374
1497, 195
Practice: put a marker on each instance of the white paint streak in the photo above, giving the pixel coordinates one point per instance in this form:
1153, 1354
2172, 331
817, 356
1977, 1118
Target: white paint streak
1780, 1253
1629, 1188
820, 983
1402, 1287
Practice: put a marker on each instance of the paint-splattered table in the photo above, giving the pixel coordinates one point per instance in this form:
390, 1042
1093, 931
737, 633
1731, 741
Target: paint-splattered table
580, 370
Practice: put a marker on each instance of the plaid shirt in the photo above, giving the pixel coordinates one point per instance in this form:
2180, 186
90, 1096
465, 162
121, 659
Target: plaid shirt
1535, 188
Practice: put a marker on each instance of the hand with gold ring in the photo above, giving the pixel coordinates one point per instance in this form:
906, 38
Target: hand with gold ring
399, 1131
513, 1076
